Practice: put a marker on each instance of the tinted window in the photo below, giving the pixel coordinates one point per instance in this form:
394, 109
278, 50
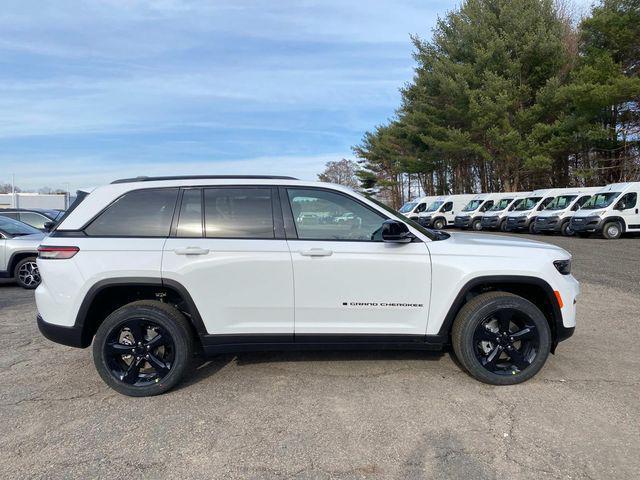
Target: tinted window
34, 219
421, 208
141, 213
447, 207
629, 200
323, 215
13, 227
13, 215
238, 213
190, 220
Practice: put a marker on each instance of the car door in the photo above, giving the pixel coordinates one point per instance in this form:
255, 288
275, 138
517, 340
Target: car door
347, 281
229, 253
627, 208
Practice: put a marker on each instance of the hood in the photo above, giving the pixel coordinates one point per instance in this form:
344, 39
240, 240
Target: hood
478, 240
589, 213
34, 238
551, 213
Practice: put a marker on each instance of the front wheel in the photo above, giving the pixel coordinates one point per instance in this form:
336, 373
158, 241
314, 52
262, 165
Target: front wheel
503, 226
566, 230
476, 225
26, 273
612, 230
532, 227
438, 224
501, 338
143, 348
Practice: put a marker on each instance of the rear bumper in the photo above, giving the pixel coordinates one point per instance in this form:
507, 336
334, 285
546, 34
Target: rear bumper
71, 336
587, 224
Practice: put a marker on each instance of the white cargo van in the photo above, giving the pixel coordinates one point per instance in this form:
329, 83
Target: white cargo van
471, 215
494, 218
414, 207
524, 214
442, 211
556, 217
611, 211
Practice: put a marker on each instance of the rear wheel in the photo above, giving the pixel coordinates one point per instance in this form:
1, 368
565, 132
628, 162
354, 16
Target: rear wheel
566, 230
26, 273
612, 230
501, 338
143, 348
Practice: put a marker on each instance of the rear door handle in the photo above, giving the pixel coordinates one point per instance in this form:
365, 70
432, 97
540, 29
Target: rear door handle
316, 252
191, 251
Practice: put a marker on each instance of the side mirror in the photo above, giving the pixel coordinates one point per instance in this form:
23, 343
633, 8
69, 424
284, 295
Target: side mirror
48, 226
396, 232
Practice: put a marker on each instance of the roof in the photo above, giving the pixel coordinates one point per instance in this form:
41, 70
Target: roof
203, 177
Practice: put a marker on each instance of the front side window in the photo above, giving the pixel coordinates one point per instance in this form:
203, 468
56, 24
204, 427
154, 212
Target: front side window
238, 212
34, 219
434, 206
486, 206
472, 205
527, 204
407, 207
561, 202
323, 215
501, 205
421, 208
447, 207
581, 201
140, 213
628, 201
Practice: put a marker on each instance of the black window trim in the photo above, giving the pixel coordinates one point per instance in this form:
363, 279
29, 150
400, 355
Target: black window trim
288, 212
276, 213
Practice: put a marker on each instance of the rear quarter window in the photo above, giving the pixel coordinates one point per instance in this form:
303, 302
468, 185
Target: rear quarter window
140, 213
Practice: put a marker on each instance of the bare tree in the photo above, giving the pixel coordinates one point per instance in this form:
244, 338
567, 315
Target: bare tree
342, 172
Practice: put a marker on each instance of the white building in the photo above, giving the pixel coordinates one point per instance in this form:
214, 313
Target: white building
34, 200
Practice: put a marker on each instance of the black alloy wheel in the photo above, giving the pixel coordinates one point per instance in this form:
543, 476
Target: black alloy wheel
143, 348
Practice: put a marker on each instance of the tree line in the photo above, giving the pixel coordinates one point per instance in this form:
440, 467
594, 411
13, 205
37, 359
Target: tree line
513, 95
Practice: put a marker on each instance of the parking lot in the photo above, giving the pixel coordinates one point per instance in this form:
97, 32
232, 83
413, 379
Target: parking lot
336, 414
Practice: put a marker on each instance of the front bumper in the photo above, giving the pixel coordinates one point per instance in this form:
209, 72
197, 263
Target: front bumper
71, 336
424, 221
548, 224
516, 223
490, 222
587, 224
462, 221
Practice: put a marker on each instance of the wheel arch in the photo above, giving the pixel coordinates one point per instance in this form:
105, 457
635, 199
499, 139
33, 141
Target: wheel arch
534, 289
16, 257
615, 218
106, 296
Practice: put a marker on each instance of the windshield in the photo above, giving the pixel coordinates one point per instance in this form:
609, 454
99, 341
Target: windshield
434, 206
600, 200
501, 205
472, 205
561, 202
432, 234
407, 207
15, 228
527, 204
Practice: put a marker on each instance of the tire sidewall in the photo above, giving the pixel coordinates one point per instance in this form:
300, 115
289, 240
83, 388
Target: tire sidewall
181, 342
476, 225
17, 278
566, 230
605, 230
438, 224
472, 319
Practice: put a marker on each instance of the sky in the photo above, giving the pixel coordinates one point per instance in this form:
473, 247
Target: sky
96, 90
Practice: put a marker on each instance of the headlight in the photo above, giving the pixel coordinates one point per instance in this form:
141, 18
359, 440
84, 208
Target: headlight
563, 266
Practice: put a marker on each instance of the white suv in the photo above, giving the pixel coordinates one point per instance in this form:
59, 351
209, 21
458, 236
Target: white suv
154, 269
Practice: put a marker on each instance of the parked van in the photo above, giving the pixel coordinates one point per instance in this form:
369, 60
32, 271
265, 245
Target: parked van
472, 213
494, 218
414, 207
611, 211
524, 214
442, 211
556, 217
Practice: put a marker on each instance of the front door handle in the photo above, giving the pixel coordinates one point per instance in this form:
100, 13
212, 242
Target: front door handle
316, 252
191, 251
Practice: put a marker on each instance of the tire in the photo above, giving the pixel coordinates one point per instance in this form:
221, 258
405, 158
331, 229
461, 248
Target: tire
503, 226
532, 227
566, 230
494, 357
476, 225
126, 368
26, 273
438, 224
612, 230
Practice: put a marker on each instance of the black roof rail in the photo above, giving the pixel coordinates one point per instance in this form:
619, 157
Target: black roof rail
203, 177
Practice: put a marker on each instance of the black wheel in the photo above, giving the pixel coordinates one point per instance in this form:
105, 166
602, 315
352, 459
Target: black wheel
566, 230
143, 348
476, 225
532, 227
503, 226
26, 273
612, 230
438, 224
501, 338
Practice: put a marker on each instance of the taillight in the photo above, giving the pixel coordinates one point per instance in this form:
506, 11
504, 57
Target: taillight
57, 253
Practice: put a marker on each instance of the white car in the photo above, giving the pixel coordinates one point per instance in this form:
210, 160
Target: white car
18, 250
151, 269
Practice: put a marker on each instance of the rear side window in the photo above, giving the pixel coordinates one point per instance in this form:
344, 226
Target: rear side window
238, 213
140, 213
34, 219
13, 215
